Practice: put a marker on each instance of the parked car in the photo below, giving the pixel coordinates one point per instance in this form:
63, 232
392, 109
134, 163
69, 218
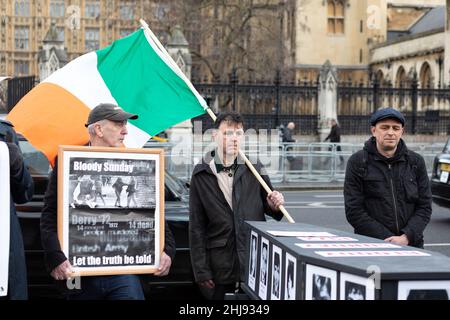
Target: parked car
440, 182
41, 285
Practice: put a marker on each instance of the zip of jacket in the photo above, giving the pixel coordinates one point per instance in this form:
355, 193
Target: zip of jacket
393, 198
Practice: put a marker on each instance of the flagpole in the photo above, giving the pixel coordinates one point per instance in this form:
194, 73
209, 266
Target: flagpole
174, 66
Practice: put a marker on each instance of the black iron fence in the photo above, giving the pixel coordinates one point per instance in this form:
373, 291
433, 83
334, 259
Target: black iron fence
17, 88
265, 104
268, 104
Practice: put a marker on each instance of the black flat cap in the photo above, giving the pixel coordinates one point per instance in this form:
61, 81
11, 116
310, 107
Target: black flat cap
387, 113
108, 111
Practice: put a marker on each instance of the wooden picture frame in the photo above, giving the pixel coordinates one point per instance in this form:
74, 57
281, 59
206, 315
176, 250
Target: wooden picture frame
111, 209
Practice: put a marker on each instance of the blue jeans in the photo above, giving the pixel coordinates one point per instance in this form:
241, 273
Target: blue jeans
120, 287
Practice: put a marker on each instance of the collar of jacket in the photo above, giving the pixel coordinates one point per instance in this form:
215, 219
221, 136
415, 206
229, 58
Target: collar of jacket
371, 147
204, 165
220, 167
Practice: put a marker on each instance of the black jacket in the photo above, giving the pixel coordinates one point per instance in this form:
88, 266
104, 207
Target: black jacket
287, 135
49, 234
335, 134
388, 196
216, 233
21, 186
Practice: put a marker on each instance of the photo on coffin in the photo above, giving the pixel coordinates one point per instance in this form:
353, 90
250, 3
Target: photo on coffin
276, 273
252, 260
291, 278
264, 268
354, 287
424, 290
321, 283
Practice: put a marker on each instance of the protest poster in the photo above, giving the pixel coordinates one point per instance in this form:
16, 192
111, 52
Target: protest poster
111, 209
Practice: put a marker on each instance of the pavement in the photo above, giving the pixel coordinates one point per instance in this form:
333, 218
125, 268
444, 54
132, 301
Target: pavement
308, 185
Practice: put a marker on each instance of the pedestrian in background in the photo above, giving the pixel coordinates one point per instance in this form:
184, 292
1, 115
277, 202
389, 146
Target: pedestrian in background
335, 137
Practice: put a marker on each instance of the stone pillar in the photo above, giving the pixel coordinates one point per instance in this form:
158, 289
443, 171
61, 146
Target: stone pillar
327, 99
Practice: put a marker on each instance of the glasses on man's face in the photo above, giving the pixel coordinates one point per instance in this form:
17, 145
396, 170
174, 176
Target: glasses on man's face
230, 133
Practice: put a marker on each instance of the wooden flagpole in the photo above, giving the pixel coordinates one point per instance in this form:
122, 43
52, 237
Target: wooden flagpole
174, 66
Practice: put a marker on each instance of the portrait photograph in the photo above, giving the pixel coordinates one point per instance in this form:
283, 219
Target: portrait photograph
277, 267
111, 209
354, 287
264, 268
321, 283
424, 290
253, 255
291, 277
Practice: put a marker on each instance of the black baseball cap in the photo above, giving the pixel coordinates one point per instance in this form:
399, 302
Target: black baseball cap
108, 111
387, 113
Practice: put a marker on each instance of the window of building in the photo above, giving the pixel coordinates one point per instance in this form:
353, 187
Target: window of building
57, 8
92, 8
21, 36
60, 33
22, 8
161, 10
125, 32
91, 39
336, 16
21, 68
127, 10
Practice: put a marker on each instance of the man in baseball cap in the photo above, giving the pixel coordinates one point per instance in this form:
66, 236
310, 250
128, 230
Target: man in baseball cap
109, 111
107, 126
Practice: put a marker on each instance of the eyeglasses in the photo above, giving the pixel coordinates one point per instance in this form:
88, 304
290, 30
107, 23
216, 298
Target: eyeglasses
230, 133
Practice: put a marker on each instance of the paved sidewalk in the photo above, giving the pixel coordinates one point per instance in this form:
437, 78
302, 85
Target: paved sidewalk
309, 185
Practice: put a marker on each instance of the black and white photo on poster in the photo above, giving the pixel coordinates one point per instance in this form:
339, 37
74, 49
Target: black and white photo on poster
264, 268
110, 183
354, 287
424, 290
291, 278
252, 260
321, 283
277, 267
111, 203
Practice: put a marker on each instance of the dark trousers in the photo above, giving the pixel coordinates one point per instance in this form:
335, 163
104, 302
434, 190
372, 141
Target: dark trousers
120, 287
338, 148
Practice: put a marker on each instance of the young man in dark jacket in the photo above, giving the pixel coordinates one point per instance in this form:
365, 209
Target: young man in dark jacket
21, 191
223, 194
387, 191
107, 126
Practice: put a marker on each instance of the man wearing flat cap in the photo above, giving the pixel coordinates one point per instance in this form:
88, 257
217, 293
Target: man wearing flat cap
107, 126
386, 190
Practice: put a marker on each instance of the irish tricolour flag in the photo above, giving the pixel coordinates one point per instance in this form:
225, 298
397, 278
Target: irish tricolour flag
134, 72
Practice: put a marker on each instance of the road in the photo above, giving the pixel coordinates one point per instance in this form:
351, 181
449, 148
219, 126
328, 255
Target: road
326, 208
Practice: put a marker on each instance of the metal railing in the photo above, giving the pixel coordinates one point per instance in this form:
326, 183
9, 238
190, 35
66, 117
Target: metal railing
290, 162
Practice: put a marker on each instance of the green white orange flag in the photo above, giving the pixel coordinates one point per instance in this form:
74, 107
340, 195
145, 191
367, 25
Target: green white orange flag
134, 72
